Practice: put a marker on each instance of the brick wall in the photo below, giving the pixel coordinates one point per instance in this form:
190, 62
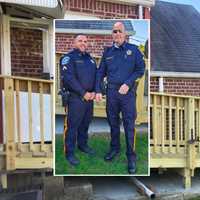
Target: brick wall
146, 13
182, 86
64, 43
154, 84
106, 10
26, 52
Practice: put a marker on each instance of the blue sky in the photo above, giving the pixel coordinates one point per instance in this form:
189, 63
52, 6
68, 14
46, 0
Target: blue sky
141, 28
194, 3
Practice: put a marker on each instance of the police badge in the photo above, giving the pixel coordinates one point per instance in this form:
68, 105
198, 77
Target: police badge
129, 52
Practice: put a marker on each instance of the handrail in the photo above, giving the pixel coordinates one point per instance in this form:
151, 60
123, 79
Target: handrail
27, 79
174, 95
27, 99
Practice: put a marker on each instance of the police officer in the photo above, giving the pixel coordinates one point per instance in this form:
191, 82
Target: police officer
123, 64
78, 71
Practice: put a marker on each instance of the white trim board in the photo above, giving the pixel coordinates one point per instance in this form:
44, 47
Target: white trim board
43, 3
174, 74
147, 3
5, 45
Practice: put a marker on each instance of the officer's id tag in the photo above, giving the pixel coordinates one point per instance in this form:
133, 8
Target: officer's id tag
92, 61
65, 60
109, 58
129, 52
79, 61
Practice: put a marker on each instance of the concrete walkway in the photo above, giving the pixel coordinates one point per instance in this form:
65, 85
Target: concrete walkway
98, 125
166, 186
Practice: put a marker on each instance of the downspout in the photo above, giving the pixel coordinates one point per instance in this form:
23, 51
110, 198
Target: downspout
140, 12
161, 85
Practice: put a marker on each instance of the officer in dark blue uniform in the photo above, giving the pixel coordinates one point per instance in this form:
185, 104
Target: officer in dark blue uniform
78, 70
122, 64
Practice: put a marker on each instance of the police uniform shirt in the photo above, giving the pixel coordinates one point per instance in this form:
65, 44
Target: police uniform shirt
121, 65
78, 71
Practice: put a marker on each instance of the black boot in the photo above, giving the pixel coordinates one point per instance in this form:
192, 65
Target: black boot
87, 149
111, 155
131, 167
72, 160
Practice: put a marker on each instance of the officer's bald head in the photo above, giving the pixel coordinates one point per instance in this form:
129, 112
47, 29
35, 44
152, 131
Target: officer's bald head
119, 26
119, 33
80, 42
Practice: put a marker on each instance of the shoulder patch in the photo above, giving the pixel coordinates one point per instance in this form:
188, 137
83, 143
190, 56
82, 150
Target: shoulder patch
65, 60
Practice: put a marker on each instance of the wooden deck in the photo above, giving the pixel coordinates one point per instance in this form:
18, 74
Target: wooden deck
175, 133
28, 124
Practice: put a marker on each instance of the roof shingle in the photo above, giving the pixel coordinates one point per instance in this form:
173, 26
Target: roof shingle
175, 38
91, 24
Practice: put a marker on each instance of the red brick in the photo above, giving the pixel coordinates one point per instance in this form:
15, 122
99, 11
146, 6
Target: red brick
26, 52
181, 86
102, 9
96, 43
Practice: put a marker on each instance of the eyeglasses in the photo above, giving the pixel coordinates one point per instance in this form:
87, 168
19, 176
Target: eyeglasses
115, 31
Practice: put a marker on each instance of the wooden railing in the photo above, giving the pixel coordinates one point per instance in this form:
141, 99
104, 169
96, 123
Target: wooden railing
175, 132
28, 122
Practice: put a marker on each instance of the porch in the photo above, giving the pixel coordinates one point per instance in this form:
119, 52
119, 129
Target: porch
28, 124
174, 133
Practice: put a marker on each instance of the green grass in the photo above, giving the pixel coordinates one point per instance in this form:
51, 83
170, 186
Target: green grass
96, 164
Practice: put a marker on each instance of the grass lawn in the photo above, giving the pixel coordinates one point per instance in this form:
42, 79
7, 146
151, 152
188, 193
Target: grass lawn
96, 164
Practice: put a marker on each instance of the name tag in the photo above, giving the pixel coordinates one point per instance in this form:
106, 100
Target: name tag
108, 58
79, 61
92, 61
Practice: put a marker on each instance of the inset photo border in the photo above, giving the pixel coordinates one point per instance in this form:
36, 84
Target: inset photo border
101, 97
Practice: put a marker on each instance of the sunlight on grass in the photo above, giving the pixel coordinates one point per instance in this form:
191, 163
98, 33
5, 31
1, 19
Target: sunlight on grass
96, 164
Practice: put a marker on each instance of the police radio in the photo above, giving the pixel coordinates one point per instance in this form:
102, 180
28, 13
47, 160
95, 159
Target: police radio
65, 96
